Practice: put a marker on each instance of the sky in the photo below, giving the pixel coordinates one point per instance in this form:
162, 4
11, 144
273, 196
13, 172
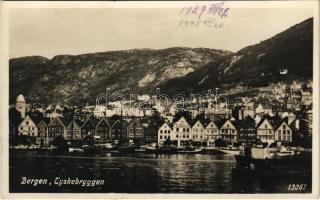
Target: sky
55, 31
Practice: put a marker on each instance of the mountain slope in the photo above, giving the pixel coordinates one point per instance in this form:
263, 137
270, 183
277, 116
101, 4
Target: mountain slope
286, 56
79, 79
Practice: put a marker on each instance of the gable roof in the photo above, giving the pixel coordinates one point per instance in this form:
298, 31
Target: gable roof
274, 121
62, 121
104, 119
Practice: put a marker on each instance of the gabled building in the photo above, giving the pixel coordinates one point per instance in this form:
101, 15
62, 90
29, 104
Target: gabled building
42, 138
181, 133
151, 130
118, 131
228, 132
247, 132
211, 133
198, 132
28, 127
135, 131
74, 130
103, 130
266, 127
88, 128
164, 133
283, 132
57, 127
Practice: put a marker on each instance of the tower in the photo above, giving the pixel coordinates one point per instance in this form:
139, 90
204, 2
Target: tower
21, 105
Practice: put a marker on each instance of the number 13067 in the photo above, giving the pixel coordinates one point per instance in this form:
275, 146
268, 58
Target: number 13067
297, 187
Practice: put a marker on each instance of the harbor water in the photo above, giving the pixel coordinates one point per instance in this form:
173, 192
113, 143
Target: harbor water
145, 173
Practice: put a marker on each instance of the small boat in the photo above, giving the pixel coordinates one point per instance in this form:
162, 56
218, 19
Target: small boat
126, 148
168, 150
230, 151
140, 150
190, 151
76, 150
269, 158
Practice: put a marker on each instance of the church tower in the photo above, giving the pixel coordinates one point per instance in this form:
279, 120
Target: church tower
21, 105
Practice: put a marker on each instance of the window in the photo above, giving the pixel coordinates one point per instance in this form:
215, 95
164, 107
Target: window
184, 129
279, 132
177, 136
283, 126
284, 132
265, 126
187, 129
177, 129
160, 137
168, 131
288, 132
27, 122
165, 131
160, 131
184, 136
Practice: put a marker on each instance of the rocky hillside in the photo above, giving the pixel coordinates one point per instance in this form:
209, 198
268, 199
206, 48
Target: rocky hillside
80, 78
284, 57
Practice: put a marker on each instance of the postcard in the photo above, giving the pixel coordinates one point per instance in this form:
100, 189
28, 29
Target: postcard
165, 100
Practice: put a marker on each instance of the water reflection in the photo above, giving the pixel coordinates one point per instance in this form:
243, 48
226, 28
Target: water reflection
144, 174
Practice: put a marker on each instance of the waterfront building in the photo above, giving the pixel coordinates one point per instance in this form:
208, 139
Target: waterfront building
28, 127
42, 137
135, 131
283, 132
118, 131
265, 130
198, 133
211, 133
57, 127
103, 130
164, 133
228, 131
88, 128
247, 132
181, 133
74, 130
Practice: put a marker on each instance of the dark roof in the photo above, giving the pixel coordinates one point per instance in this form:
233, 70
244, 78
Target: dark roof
274, 120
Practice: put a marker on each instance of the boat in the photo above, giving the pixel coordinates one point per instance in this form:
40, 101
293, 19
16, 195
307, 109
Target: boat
126, 148
168, 150
272, 159
230, 151
75, 150
140, 150
189, 151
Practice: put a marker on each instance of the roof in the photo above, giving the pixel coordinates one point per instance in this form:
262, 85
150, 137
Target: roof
20, 98
274, 121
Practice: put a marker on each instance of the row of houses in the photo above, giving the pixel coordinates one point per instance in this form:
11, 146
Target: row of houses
103, 130
233, 132
200, 131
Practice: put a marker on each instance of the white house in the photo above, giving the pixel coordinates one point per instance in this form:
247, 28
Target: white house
265, 131
228, 132
164, 133
181, 132
212, 133
198, 132
28, 127
283, 133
